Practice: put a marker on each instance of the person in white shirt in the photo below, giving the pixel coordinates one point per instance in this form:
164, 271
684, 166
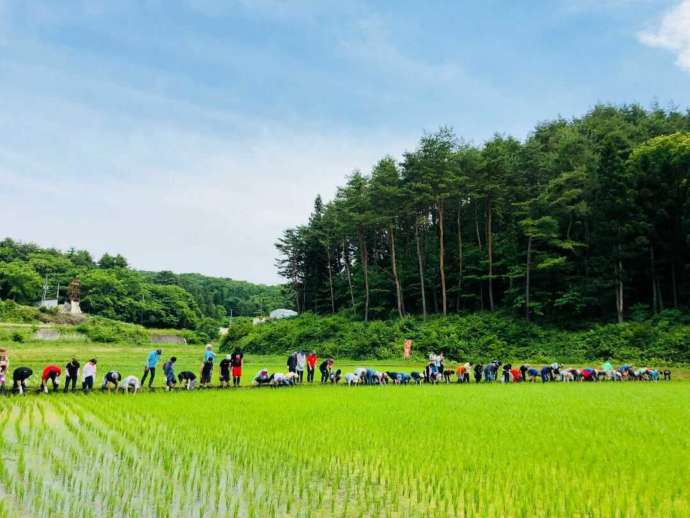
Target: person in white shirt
88, 375
130, 383
301, 365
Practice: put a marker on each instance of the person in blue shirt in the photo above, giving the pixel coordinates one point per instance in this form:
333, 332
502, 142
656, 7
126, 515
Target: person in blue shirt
150, 367
207, 366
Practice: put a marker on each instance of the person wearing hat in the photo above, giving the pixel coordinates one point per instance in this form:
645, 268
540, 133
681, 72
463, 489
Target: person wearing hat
150, 367
225, 371
111, 381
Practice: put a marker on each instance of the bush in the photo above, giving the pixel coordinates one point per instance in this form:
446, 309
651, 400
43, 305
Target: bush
12, 312
474, 337
107, 331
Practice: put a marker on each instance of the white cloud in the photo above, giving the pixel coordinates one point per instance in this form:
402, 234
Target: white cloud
172, 197
672, 33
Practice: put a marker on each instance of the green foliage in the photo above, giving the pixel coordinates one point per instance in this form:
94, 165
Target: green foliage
108, 331
19, 282
12, 312
474, 337
112, 290
583, 220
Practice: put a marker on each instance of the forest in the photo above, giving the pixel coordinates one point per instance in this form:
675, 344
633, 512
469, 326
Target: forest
111, 289
586, 220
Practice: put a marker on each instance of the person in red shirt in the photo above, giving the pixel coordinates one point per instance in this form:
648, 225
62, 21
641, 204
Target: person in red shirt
52, 373
311, 366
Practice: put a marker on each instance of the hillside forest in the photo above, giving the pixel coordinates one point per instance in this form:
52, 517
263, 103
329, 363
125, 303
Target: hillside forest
111, 288
586, 220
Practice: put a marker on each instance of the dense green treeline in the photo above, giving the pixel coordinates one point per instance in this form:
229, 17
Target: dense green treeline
111, 289
477, 337
586, 220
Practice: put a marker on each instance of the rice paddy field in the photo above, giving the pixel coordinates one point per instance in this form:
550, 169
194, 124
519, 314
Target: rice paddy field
578, 449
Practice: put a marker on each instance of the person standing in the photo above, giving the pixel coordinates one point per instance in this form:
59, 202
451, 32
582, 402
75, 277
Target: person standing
292, 362
301, 364
169, 371
72, 375
88, 375
237, 362
311, 366
207, 366
150, 367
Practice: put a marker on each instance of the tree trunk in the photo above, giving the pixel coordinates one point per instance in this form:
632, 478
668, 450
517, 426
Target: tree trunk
330, 279
619, 289
421, 267
479, 245
527, 276
441, 258
490, 252
398, 290
655, 299
674, 283
460, 257
365, 267
296, 287
346, 256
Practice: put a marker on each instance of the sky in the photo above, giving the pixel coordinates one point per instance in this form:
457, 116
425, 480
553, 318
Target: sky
187, 135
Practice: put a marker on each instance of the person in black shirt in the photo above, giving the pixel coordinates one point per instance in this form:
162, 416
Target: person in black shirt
19, 377
225, 371
112, 378
478, 369
188, 378
325, 369
292, 363
72, 370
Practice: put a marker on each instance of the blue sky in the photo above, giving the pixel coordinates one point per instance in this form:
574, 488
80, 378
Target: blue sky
186, 135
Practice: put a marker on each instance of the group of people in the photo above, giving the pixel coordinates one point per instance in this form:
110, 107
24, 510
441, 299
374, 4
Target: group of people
230, 372
231, 366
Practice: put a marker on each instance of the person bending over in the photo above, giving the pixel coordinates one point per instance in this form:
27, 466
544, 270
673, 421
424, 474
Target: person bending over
72, 369
52, 373
4, 367
130, 384
225, 371
187, 379
111, 381
169, 371
19, 377
325, 369
150, 367
88, 375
